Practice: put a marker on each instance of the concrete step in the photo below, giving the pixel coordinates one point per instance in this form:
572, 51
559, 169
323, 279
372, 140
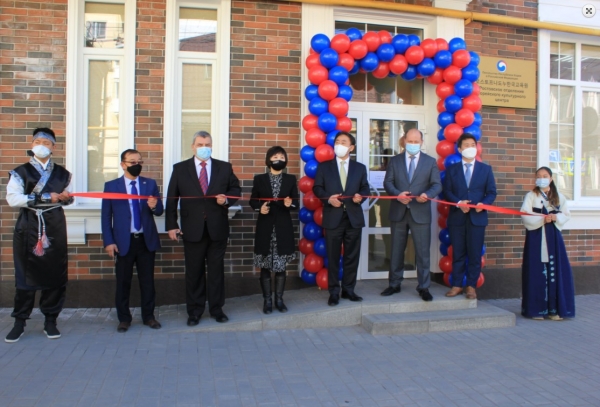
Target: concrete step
485, 316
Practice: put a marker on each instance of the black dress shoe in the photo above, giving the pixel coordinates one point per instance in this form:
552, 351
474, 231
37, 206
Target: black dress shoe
221, 318
123, 326
153, 323
333, 300
425, 295
193, 321
390, 290
352, 297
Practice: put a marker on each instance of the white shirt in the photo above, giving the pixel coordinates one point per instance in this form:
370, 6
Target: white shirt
129, 191
464, 164
416, 159
15, 192
346, 165
199, 167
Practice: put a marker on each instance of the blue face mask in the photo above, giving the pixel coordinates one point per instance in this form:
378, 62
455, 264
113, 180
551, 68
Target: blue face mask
203, 153
413, 149
542, 182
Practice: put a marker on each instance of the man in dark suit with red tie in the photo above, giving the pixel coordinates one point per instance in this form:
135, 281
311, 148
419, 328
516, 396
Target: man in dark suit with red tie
204, 225
343, 218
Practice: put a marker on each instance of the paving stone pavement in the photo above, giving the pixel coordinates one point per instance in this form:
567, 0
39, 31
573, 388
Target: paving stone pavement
535, 363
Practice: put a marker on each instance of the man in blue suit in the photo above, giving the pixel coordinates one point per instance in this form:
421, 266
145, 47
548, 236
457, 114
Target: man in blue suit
130, 237
467, 182
343, 218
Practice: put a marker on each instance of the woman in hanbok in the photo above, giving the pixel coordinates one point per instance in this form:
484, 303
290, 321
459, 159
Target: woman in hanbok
548, 289
274, 245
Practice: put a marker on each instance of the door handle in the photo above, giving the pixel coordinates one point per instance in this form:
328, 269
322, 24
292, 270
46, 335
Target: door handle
374, 201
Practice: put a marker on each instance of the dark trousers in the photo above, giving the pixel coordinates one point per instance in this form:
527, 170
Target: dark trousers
334, 238
466, 241
198, 256
51, 303
143, 259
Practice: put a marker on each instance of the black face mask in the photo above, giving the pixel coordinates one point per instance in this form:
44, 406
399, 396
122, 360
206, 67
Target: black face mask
135, 170
278, 165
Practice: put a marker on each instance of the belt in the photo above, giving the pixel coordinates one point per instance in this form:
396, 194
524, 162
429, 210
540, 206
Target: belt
136, 235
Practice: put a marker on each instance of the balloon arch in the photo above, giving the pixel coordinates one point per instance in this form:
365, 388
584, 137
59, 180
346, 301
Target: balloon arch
448, 65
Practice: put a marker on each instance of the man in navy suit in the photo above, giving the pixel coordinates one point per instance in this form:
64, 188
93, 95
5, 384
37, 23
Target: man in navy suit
130, 237
343, 218
467, 182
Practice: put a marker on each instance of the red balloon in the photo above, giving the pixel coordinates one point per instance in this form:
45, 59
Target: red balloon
385, 37
478, 158
338, 107
310, 201
312, 60
445, 264
306, 246
310, 121
481, 279
328, 89
398, 64
442, 222
315, 137
346, 61
440, 163
344, 124
324, 152
436, 77
444, 148
372, 40
313, 263
305, 184
430, 47
317, 74
442, 44
476, 89
447, 279
440, 106
464, 117
473, 103
450, 251
452, 132
414, 55
443, 209
340, 43
382, 70
322, 279
311, 51
443, 90
318, 216
452, 74
358, 49
461, 58
479, 150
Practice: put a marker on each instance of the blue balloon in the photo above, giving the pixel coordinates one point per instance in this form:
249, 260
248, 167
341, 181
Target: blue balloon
339, 75
355, 68
483, 250
442, 176
426, 67
354, 34
392, 75
369, 62
452, 159
456, 43
341, 263
443, 59
400, 43
308, 278
386, 52
345, 92
312, 231
307, 153
318, 106
478, 120
445, 118
440, 135
464, 282
325, 262
453, 103
410, 73
413, 40
340, 273
444, 249
319, 42
456, 149
463, 88
310, 168
305, 215
331, 137
474, 58
470, 73
329, 58
474, 130
327, 122
311, 92
319, 248
444, 236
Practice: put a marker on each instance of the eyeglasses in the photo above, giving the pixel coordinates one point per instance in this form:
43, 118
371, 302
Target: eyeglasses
133, 162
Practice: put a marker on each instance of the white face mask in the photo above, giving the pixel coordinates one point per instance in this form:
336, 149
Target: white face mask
341, 150
41, 151
469, 153
542, 182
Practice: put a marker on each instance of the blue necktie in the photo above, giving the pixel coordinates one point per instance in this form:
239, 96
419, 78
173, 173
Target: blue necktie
411, 168
468, 174
135, 204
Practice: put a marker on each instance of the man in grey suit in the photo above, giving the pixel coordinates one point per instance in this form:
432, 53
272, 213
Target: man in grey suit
411, 173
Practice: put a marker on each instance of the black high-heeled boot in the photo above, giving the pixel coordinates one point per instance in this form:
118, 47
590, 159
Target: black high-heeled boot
265, 284
279, 288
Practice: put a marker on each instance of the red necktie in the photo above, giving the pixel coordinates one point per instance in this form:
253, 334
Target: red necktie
203, 178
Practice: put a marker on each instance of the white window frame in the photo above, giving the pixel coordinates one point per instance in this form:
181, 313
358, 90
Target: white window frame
174, 60
585, 210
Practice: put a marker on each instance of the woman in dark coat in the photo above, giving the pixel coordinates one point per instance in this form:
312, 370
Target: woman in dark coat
274, 244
